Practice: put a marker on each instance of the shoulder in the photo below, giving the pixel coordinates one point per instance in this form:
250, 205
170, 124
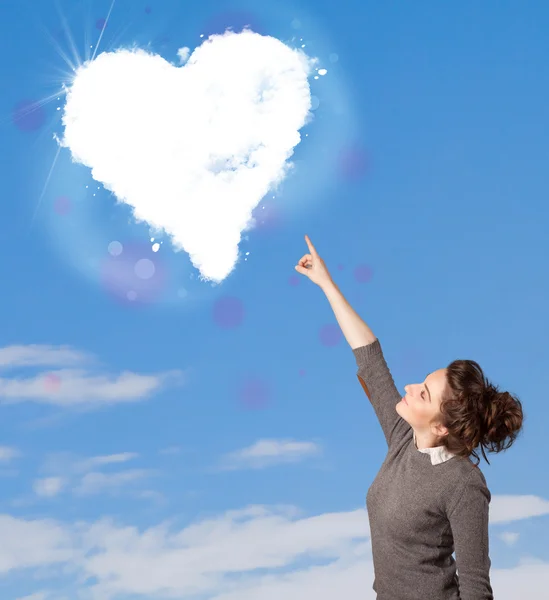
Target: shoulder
476, 480
470, 486
466, 470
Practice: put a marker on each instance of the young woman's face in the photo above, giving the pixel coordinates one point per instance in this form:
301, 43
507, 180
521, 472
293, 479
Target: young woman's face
420, 406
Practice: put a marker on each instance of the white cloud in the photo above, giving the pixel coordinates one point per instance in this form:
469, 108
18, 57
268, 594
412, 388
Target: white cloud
48, 486
68, 387
81, 477
109, 459
8, 453
157, 497
183, 54
505, 509
269, 452
509, 537
97, 482
36, 596
193, 149
77, 388
36, 543
36, 355
257, 553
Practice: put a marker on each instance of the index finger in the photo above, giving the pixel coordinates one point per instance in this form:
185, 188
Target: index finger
311, 247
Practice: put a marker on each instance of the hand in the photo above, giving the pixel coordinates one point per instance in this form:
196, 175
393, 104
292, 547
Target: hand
313, 266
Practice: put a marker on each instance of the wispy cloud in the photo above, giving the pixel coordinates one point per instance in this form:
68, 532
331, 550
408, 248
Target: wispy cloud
170, 450
8, 453
97, 482
109, 459
510, 538
82, 477
36, 355
256, 553
268, 452
36, 596
71, 387
34, 544
48, 487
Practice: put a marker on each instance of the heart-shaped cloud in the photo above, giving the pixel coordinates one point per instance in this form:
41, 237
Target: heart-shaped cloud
193, 149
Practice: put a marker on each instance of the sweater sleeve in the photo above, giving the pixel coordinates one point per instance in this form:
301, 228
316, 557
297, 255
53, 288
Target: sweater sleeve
378, 384
469, 523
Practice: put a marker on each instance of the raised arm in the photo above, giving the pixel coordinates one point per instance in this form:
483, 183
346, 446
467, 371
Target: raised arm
373, 373
355, 330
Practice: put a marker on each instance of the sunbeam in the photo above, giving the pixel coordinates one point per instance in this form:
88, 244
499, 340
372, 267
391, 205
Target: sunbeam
102, 30
39, 202
59, 50
34, 106
119, 35
70, 39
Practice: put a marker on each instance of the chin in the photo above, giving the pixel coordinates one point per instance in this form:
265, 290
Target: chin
400, 411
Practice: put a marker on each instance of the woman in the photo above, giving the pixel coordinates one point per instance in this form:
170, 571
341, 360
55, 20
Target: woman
428, 499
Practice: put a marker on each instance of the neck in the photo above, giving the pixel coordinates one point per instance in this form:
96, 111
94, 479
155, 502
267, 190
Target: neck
425, 440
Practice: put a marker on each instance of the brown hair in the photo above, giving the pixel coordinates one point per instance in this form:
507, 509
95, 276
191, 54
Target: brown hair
476, 412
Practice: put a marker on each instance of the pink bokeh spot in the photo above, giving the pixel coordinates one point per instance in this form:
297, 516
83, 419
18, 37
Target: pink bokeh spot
330, 335
410, 360
52, 382
62, 205
340, 267
100, 23
228, 312
233, 20
353, 162
363, 273
268, 217
254, 394
293, 280
301, 372
134, 275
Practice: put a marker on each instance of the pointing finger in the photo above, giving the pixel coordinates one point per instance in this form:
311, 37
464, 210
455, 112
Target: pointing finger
311, 247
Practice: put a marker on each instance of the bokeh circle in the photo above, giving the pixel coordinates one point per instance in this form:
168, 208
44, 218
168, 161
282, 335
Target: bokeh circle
122, 273
254, 394
363, 273
28, 115
330, 335
62, 205
234, 20
353, 162
228, 312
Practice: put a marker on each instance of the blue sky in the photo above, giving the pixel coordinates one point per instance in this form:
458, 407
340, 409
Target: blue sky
132, 448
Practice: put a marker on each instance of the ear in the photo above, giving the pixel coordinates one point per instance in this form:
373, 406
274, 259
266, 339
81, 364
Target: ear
440, 431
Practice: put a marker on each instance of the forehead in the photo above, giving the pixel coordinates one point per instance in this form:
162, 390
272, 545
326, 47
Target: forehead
437, 375
436, 381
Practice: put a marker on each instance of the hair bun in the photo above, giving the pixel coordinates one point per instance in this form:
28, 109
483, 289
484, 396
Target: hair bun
491, 394
476, 413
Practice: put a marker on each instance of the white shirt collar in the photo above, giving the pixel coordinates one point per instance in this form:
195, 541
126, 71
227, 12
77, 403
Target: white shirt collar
439, 454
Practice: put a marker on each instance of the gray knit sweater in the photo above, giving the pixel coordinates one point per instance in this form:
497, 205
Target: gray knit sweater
422, 506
